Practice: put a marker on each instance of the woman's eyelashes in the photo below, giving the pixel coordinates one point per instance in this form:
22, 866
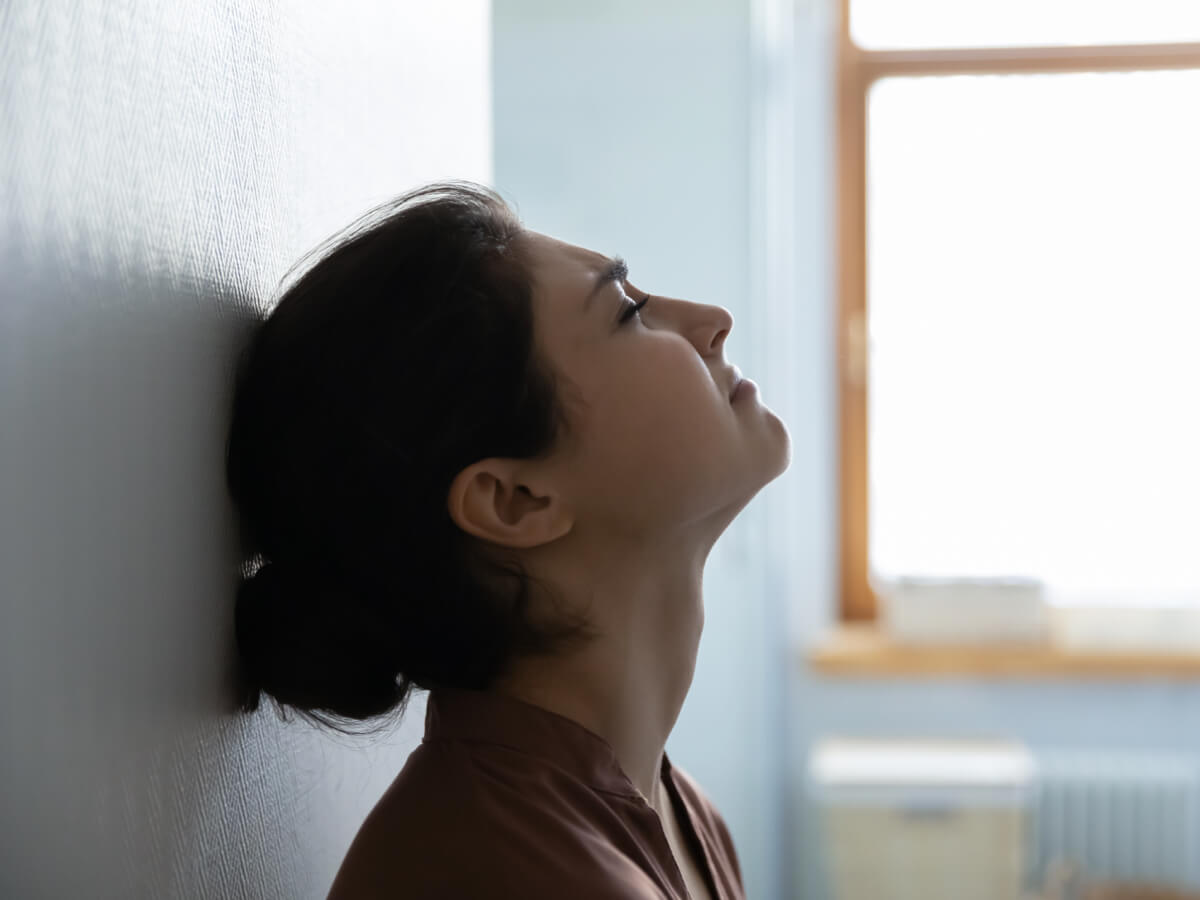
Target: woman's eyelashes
631, 309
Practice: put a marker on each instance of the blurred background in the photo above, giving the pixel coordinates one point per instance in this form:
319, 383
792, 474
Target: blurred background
953, 652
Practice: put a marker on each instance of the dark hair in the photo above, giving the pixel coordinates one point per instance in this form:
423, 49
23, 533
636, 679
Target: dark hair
403, 355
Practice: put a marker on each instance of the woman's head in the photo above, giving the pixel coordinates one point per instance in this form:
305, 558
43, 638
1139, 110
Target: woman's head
436, 422
656, 448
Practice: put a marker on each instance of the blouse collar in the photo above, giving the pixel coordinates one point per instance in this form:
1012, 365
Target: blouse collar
488, 717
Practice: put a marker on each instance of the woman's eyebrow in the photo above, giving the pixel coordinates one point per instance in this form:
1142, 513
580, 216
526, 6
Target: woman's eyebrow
616, 270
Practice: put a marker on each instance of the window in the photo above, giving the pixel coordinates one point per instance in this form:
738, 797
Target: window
1019, 296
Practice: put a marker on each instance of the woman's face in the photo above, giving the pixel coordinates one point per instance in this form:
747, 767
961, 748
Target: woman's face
658, 448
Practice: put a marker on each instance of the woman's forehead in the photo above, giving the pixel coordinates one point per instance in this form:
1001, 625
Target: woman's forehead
566, 258
565, 274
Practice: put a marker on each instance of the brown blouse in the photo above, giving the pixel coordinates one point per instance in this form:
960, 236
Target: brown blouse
504, 799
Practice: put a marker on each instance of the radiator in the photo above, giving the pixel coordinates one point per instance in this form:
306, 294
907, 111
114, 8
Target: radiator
1127, 816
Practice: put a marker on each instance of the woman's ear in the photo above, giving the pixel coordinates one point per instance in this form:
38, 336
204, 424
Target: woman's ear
490, 500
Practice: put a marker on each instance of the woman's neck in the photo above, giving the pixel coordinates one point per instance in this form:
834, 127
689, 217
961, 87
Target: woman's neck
627, 686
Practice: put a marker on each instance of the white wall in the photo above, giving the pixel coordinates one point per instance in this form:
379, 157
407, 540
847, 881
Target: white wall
163, 165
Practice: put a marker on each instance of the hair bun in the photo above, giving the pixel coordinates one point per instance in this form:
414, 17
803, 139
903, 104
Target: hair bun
305, 641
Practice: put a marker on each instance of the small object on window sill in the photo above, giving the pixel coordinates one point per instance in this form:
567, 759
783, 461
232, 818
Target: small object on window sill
924, 610
1127, 629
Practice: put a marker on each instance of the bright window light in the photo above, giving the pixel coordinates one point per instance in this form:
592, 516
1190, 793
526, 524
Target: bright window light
893, 25
1033, 277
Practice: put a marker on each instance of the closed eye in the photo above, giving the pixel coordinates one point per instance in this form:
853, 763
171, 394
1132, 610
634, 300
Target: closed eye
630, 309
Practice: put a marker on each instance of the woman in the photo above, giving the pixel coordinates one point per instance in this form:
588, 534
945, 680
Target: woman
474, 459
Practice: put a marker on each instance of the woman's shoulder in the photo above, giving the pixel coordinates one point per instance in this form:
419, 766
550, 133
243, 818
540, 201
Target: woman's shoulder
479, 820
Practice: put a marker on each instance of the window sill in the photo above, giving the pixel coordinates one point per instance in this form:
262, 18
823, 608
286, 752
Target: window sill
863, 650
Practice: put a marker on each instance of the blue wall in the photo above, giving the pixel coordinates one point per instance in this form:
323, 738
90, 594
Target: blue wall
695, 139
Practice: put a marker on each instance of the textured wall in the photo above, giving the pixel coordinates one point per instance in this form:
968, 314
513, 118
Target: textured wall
163, 164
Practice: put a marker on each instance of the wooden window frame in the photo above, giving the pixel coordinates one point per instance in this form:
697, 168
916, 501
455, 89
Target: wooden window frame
856, 70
